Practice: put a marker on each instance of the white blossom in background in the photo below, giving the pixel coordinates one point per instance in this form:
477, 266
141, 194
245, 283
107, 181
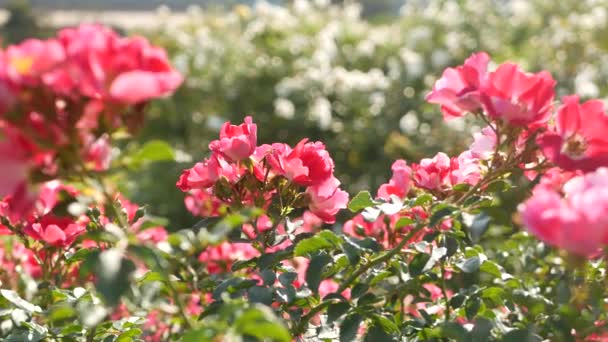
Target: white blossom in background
321, 112
284, 108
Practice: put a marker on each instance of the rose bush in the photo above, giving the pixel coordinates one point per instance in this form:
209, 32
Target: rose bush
504, 241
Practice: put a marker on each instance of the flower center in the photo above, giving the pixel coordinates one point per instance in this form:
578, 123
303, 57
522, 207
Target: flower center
575, 146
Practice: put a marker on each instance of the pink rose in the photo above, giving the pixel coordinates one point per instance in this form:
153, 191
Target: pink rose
236, 142
204, 174
325, 203
458, 89
578, 141
484, 143
55, 231
465, 169
575, 221
307, 164
433, 174
399, 184
516, 97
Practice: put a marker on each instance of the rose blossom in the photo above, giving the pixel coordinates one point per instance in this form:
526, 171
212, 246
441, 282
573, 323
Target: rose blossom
575, 221
236, 142
400, 182
579, 140
458, 89
517, 97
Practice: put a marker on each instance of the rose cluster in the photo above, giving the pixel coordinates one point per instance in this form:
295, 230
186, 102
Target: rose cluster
275, 177
62, 98
566, 148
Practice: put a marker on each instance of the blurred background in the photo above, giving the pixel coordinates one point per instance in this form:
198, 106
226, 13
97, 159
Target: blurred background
352, 74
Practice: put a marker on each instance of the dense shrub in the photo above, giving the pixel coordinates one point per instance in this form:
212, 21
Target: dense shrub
435, 253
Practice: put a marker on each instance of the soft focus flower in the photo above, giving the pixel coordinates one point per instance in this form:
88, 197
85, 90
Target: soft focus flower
579, 140
26, 62
220, 258
236, 142
205, 174
99, 153
400, 182
517, 97
465, 169
484, 143
201, 202
576, 221
102, 64
55, 231
458, 89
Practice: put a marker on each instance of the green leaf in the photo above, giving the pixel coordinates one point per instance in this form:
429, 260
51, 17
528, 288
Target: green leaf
268, 276
403, 222
361, 201
336, 310
521, 335
113, 275
61, 312
470, 265
287, 278
377, 334
29, 332
441, 212
324, 240
19, 302
495, 294
128, 335
454, 331
457, 300
259, 294
315, 271
151, 276
153, 151
472, 307
480, 224
482, 330
259, 322
492, 268
386, 324
418, 264
422, 199
359, 290
350, 327
198, 335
